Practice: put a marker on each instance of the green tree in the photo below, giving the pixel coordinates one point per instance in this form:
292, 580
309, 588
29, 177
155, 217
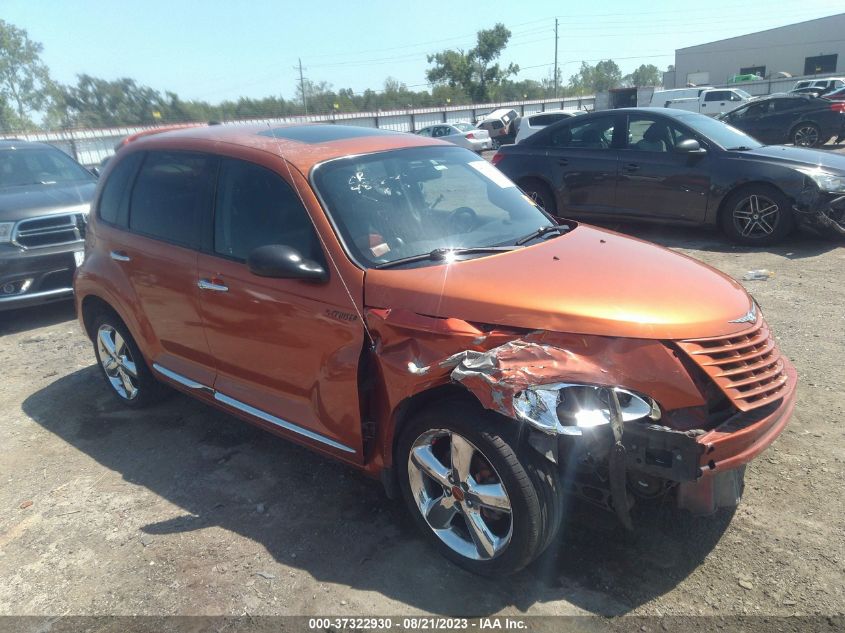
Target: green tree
475, 72
25, 85
645, 75
592, 79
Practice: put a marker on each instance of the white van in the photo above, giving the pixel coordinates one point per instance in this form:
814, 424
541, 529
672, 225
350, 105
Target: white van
710, 101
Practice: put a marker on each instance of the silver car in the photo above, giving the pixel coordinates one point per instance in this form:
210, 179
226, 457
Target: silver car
462, 134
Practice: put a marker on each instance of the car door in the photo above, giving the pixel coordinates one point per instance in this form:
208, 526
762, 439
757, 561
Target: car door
158, 255
750, 119
582, 163
287, 350
716, 102
655, 181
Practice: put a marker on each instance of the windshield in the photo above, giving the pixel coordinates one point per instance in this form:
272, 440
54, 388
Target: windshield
719, 132
407, 202
742, 93
38, 166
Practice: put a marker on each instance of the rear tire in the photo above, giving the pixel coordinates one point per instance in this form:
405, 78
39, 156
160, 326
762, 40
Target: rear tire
540, 193
806, 135
122, 364
757, 215
513, 496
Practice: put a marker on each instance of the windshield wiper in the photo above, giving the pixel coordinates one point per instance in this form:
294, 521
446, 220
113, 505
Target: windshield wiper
560, 229
443, 254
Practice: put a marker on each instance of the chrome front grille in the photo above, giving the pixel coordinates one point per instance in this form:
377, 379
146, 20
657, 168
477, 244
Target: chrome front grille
50, 230
747, 367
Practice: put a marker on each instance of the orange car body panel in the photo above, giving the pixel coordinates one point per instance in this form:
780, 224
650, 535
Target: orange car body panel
608, 304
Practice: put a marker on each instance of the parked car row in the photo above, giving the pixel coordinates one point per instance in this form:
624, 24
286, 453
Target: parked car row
818, 87
670, 166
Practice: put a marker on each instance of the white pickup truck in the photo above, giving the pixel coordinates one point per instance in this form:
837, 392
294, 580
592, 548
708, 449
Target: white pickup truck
710, 101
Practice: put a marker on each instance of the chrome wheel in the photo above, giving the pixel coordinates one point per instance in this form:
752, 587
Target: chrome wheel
806, 136
118, 364
459, 493
756, 216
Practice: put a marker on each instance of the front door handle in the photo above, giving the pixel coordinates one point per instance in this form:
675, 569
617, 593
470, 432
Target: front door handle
205, 284
120, 256
632, 167
563, 161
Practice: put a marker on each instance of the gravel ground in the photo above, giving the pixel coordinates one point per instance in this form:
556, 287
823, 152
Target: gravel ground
182, 509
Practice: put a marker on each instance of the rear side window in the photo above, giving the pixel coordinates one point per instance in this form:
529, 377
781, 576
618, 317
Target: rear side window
596, 133
717, 95
256, 207
114, 201
171, 193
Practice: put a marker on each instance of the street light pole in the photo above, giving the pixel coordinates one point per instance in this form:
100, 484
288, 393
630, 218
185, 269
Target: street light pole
555, 58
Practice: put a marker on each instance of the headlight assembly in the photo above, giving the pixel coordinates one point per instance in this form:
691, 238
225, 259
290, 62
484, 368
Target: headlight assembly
6, 232
564, 408
825, 181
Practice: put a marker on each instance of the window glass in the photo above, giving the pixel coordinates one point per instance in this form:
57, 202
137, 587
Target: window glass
113, 200
654, 134
716, 95
426, 131
784, 105
405, 202
171, 193
256, 207
39, 166
593, 134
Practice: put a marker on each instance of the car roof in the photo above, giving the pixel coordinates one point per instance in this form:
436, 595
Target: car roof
303, 145
15, 143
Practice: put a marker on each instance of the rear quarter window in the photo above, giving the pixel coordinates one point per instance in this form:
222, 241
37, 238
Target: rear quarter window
114, 200
172, 192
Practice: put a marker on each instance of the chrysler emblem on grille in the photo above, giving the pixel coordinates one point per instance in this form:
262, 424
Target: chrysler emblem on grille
749, 317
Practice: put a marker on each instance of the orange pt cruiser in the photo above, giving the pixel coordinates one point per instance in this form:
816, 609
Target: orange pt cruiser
397, 303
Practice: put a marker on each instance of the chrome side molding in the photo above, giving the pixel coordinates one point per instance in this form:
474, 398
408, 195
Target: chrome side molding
245, 408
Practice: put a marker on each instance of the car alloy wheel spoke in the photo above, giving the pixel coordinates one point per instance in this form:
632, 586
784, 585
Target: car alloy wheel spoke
440, 512
491, 496
128, 386
754, 204
106, 342
129, 366
424, 459
461, 452
486, 543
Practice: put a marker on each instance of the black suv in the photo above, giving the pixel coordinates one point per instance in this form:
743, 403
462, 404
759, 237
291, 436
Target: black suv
44, 200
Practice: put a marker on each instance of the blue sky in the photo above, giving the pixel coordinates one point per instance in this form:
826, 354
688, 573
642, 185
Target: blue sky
214, 50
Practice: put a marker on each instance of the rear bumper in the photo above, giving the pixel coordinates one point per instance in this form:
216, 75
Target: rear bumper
36, 276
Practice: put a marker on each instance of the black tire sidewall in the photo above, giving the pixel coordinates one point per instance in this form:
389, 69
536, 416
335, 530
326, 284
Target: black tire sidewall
542, 192
483, 429
149, 389
785, 220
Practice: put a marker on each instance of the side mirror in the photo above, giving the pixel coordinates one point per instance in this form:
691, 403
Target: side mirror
690, 146
284, 262
95, 171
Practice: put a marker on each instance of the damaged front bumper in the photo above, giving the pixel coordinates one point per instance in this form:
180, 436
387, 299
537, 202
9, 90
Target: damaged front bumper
623, 459
822, 212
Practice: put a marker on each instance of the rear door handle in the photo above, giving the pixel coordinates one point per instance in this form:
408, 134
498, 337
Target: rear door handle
632, 167
563, 161
120, 256
205, 284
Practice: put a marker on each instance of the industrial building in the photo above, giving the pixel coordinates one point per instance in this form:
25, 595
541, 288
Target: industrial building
814, 47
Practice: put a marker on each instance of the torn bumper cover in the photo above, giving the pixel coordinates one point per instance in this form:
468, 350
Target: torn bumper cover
531, 381
822, 211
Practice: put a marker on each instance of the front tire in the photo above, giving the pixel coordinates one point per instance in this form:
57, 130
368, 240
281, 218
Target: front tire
122, 364
486, 505
757, 215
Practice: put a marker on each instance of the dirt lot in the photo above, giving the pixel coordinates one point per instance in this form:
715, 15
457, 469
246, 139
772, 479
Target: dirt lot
184, 510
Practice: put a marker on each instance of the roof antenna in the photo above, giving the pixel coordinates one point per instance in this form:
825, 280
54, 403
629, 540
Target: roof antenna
326, 249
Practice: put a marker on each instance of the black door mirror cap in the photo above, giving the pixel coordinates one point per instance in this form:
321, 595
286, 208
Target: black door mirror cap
690, 146
284, 262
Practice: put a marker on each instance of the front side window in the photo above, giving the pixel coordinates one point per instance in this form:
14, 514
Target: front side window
256, 207
172, 192
654, 134
596, 133
407, 202
39, 166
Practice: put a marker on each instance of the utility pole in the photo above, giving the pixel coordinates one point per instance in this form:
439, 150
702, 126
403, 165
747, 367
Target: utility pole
302, 87
555, 58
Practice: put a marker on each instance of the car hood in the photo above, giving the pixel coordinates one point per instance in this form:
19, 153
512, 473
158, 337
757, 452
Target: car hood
799, 156
20, 203
588, 281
